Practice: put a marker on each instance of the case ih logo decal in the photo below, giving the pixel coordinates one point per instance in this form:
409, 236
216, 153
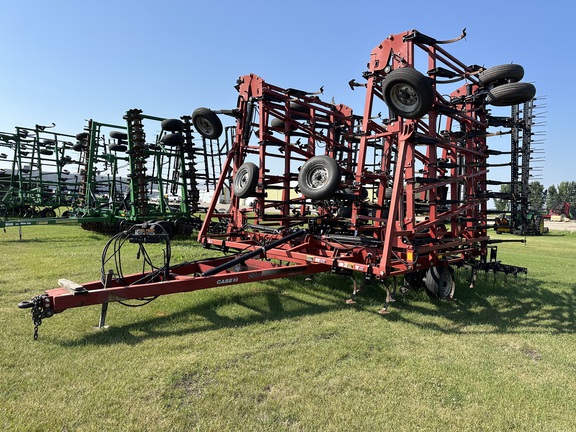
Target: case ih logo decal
226, 281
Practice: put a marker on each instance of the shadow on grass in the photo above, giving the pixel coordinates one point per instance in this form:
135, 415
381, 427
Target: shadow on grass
286, 300
560, 233
500, 305
504, 306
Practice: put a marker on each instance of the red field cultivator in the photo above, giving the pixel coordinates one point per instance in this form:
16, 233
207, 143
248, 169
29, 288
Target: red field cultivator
317, 188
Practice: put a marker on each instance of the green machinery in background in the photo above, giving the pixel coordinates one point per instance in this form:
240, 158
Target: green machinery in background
36, 177
114, 174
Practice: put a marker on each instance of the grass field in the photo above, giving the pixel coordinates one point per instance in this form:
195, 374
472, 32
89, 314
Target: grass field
289, 355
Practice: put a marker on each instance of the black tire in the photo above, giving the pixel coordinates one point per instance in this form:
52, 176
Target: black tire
299, 111
79, 147
277, 123
408, 93
345, 212
319, 177
414, 280
348, 194
538, 225
439, 282
511, 94
298, 107
46, 152
175, 139
207, 123
82, 136
49, 213
118, 135
501, 74
117, 147
184, 228
164, 227
172, 125
245, 181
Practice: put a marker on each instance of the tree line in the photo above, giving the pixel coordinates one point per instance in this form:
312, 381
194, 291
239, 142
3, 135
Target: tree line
542, 199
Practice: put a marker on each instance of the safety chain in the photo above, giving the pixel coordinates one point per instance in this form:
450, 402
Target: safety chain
37, 314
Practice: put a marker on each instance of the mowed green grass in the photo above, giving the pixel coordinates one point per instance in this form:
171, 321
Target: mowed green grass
289, 355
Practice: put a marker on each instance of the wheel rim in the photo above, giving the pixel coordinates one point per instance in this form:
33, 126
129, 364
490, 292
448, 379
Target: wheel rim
318, 177
242, 179
404, 97
446, 286
204, 126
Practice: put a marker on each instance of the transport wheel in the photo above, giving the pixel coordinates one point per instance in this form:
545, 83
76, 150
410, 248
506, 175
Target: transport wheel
82, 136
414, 280
184, 226
511, 94
46, 152
348, 194
345, 212
164, 226
497, 75
538, 225
277, 123
439, 282
245, 181
319, 177
408, 93
295, 106
172, 125
207, 123
117, 147
79, 147
175, 139
118, 135
48, 213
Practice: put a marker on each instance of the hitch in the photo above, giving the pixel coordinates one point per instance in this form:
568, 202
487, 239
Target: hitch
41, 308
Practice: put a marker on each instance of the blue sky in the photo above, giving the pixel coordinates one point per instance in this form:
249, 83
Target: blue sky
67, 61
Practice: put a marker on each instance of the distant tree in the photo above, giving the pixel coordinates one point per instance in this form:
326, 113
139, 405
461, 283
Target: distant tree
552, 197
502, 204
567, 192
541, 198
537, 195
